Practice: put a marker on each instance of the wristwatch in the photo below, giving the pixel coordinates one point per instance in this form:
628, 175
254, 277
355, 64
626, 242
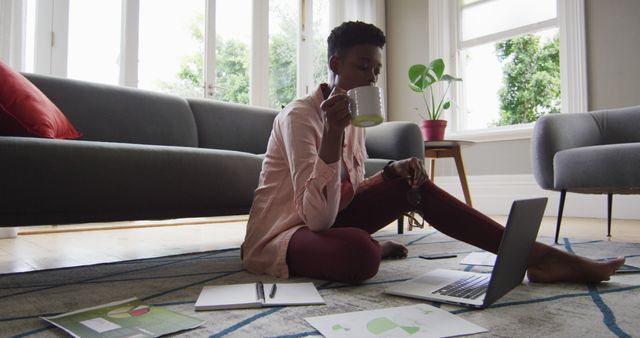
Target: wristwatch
387, 174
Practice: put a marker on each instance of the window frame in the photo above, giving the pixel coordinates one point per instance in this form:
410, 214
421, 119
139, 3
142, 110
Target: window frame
444, 42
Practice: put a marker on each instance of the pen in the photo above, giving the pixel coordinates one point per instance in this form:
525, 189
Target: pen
260, 291
272, 293
438, 256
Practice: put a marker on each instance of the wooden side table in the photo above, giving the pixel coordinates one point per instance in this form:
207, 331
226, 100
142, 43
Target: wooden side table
448, 149
444, 149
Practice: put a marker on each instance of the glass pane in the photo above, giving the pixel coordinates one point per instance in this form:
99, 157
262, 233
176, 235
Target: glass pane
233, 41
30, 43
321, 31
282, 52
94, 40
517, 87
483, 18
171, 48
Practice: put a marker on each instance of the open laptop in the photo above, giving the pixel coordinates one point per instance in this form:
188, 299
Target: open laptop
479, 290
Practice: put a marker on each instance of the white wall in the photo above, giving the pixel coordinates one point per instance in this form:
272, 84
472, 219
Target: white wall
406, 46
613, 44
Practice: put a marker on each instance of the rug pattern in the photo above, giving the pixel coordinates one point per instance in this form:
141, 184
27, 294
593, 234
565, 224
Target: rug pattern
560, 310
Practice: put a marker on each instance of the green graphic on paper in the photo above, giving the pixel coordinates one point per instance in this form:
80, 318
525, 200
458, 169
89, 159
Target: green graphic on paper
339, 327
383, 324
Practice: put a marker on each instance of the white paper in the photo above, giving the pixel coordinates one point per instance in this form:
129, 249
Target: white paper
292, 294
235, 296
100, 325
228, 297
483, 258
420, 320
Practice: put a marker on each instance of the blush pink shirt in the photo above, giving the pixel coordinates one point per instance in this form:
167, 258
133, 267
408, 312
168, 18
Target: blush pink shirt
296, 188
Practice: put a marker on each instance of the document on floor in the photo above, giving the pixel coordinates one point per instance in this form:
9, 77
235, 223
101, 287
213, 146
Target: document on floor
250, 295
125, 318
483, 258
420, 320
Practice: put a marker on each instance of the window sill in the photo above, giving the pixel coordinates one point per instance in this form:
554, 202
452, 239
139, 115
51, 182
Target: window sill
508, 133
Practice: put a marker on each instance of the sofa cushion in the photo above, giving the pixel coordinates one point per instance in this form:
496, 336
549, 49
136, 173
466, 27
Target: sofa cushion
223, 125
598, 169
57, 181
26, 111
120, 114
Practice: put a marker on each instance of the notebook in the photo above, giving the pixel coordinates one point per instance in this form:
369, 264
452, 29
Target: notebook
479, 290
250, 295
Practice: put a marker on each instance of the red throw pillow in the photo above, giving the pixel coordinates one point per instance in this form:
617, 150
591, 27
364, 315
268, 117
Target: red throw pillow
26, 111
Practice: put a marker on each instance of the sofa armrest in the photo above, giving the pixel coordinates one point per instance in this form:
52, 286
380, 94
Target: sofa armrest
395, 141
556, 132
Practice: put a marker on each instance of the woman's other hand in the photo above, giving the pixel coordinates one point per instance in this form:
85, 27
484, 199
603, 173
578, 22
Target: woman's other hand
412, 169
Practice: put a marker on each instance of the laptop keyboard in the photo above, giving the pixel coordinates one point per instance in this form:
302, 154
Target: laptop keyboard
468, 287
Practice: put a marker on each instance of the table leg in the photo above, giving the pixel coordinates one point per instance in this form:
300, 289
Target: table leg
433, 170
463, 176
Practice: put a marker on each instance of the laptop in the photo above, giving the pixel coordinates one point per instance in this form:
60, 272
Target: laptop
479, 290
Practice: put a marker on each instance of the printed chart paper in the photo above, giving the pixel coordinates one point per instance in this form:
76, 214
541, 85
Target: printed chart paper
126, 318
420, 320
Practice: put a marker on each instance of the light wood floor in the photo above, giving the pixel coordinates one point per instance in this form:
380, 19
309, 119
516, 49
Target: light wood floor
47, 247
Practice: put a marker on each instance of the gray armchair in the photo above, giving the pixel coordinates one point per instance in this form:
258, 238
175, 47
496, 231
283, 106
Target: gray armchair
589, 153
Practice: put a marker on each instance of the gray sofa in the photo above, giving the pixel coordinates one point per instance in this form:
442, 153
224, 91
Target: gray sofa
145, 155
592, 153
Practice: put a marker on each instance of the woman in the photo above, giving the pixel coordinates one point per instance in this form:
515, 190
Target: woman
313, 212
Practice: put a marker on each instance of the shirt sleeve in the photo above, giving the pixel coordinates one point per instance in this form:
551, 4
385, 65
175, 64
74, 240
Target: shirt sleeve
316, 184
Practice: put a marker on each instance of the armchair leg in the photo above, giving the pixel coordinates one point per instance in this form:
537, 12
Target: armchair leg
609, 207
563, 195
401, 225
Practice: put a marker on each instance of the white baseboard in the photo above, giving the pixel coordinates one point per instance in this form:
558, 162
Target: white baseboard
493, 194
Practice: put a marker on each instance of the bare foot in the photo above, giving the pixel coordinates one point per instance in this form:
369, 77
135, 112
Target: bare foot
391, 249
559, 266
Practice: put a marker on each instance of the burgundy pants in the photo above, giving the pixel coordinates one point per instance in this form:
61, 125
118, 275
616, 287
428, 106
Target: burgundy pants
347, 253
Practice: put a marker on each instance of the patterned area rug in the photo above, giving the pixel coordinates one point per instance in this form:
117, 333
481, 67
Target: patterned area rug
558, 310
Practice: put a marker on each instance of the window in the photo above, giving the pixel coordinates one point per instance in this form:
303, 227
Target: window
170, 56
192, 48
283, 25
233, 45
94, 40
321, 31
510, 64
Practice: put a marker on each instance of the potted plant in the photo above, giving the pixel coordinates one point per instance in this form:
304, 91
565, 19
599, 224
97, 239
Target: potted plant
421, 80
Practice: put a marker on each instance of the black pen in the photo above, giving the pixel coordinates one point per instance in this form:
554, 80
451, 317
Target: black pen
260, 291
438, 256
272, 293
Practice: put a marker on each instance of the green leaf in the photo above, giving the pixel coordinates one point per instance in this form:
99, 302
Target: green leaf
437, 66
416, 76
450, 78
415, 88
428, 78
446, 105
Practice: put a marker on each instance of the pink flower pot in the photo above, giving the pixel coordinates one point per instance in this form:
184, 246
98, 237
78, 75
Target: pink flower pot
433, 130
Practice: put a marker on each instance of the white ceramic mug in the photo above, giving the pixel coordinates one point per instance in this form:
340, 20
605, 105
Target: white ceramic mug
366, 105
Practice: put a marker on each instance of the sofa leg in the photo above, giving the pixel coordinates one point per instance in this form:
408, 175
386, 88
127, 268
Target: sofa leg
401, 224
563, 195
609, 207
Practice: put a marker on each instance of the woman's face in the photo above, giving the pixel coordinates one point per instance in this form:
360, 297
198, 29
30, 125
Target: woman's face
360, 66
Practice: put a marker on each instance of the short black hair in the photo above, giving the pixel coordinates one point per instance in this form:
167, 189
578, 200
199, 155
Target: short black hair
353, 33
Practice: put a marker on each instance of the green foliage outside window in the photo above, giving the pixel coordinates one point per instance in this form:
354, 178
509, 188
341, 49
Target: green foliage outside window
282, 61
531, 79
232, 66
